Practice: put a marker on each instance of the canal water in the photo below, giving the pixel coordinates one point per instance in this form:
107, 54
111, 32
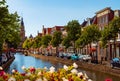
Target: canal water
28, 61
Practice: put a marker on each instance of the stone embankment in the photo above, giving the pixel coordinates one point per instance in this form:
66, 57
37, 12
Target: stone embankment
7, 64
84, 65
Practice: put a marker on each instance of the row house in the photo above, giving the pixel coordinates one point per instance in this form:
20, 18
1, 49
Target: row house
86, 23
103, 18
50, 31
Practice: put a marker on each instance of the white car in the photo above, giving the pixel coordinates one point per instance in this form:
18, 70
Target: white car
86, 57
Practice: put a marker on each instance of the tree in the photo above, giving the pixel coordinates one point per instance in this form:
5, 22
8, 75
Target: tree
26, 44
56, 39
38, 41
46, 40
9, 26
66, 42
73, 29
105, 36
110, 32
90, 34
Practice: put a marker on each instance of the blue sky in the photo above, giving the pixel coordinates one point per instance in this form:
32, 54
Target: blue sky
56, 12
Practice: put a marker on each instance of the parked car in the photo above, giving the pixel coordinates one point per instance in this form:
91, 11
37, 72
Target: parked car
65, 55
61, 54
86, 57
74, 57
80, 56
115, 62
4, 58
69, 55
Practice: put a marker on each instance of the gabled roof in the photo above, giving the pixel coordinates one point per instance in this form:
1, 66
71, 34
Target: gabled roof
58, 28
48, 30
94, 20
107, 8
84, 23
39, 34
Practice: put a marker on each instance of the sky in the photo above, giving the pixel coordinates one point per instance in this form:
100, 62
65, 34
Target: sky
50, 13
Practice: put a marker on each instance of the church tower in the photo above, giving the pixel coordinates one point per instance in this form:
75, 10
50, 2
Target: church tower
22, 30
22, 33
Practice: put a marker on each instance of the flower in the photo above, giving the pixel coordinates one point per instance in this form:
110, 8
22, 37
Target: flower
80, 74
26, 80
28, 74
23, 67
65, 67
1, 68
108, 79
85, 75
23, 74
39, 73
74, 71
52, 69
64, 79
89, 80
75, 65
11, 79
32, 69
2, 73
45, 68
44, 79
14, 71
39, 79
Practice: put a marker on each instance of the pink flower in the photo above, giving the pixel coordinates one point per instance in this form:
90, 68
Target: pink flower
2, 73
108, 79
32, 69
23, 74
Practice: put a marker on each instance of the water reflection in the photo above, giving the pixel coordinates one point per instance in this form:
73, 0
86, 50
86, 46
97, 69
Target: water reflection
28, 61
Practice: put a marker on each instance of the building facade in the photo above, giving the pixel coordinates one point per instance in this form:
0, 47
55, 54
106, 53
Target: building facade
22, 33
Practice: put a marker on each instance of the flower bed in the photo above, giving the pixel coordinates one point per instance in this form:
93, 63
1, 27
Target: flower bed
67, 73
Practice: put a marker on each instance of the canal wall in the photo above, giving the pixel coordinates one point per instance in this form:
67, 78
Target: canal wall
84, 65
7, 64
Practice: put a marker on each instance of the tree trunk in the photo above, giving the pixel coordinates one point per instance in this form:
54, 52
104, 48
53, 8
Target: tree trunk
114, 53
74, 49
57, 51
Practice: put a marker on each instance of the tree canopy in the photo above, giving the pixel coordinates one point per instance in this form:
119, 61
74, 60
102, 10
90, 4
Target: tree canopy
9, 26
46, 40
56, 39
73, 29
89, 34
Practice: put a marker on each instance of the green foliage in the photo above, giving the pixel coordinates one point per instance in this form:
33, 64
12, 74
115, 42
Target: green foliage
26, 44
56, 39
90, 34
73, 29
66, 42
9, 26
106, 35
110, 31
115, 26
46, 40
38, 41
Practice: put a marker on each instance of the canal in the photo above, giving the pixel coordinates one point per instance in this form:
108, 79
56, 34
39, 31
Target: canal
27, 61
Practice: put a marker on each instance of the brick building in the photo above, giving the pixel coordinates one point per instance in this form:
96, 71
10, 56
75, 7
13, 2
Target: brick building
22, 33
